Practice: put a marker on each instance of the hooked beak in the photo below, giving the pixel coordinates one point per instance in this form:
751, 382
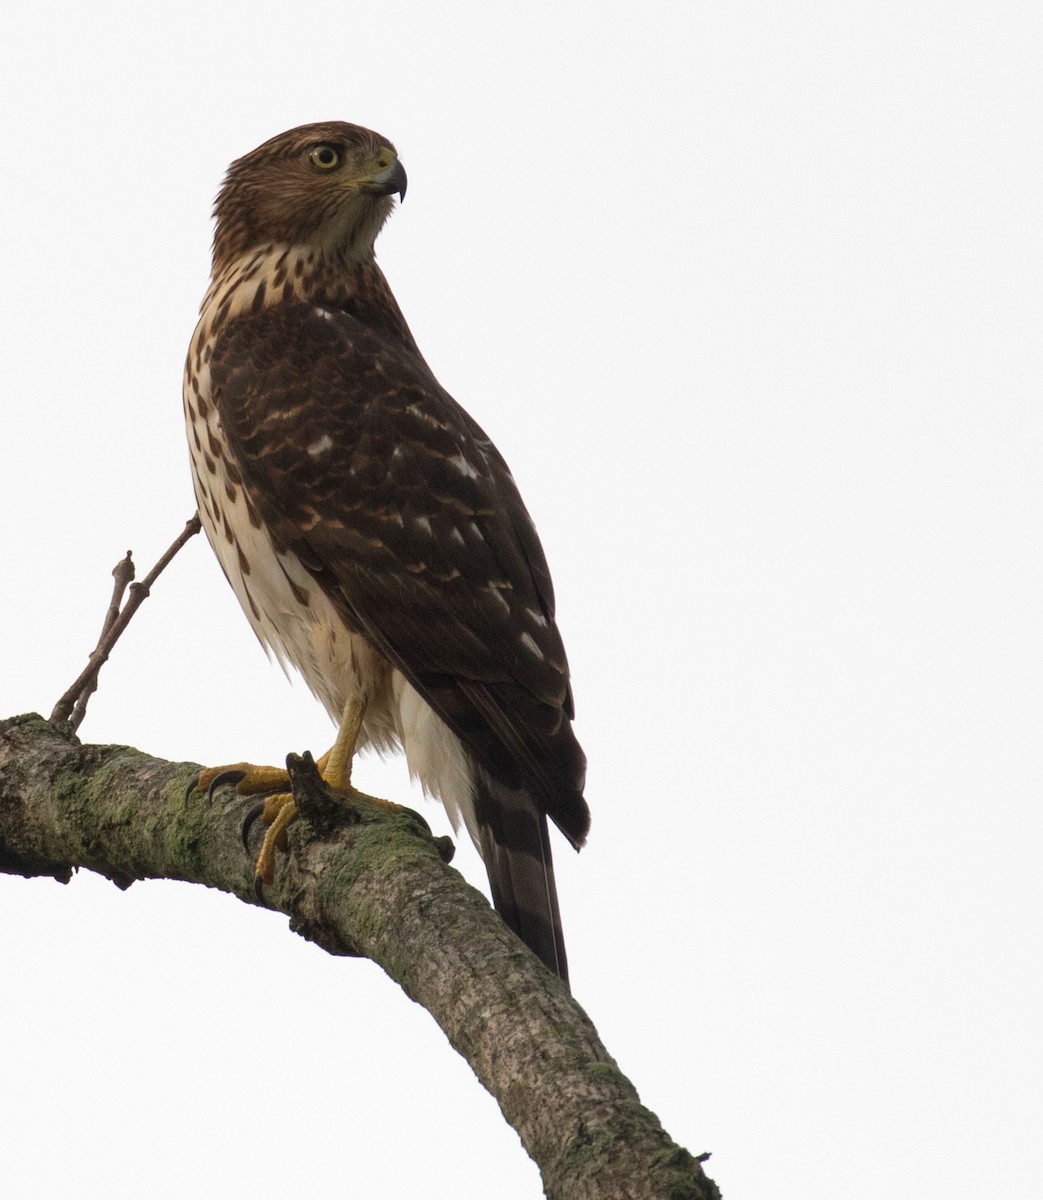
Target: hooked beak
388, 182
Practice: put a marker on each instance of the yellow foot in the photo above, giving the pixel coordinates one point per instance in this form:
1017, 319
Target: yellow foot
278, 810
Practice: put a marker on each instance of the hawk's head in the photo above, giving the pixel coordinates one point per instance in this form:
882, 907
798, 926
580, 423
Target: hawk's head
328, 186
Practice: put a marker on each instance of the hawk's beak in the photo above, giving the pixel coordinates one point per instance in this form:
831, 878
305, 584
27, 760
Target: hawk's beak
387, 182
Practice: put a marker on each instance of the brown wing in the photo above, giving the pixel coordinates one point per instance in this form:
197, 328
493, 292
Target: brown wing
392, 496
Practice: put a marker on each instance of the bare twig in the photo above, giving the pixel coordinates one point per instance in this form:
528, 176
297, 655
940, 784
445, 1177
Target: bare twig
72, 707
123, 574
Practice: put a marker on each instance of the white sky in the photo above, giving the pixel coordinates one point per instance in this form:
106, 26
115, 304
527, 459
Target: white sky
749, 298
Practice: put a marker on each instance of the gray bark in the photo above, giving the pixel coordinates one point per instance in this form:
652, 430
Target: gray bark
358, 880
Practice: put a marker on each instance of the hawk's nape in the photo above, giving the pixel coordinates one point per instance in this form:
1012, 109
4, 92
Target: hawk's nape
373, 534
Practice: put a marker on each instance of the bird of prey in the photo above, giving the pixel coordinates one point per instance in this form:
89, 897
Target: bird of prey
371, 531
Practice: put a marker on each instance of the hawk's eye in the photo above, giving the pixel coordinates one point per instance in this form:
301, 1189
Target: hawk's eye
324, 157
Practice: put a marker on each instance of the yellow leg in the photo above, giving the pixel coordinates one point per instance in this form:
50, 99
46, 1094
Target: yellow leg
335, 767
335, 764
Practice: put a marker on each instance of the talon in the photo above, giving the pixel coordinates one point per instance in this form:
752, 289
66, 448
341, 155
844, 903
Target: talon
259, 889
255, 811
232, 775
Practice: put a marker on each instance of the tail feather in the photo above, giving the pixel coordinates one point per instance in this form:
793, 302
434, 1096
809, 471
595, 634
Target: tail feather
515, 844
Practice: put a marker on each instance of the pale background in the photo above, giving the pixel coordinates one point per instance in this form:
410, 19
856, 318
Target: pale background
748, 295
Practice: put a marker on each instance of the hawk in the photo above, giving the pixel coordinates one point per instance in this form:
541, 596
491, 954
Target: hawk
371, 531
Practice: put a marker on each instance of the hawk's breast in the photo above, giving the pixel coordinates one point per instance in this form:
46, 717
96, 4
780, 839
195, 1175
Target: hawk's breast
290, 615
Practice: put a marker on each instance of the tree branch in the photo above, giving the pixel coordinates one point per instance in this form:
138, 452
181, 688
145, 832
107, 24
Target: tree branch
358, 881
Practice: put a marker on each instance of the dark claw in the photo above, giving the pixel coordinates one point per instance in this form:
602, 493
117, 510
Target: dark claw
224, 777
192, 786
251, 816
259, 889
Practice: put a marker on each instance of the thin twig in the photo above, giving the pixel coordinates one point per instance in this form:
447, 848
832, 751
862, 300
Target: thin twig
123, 574
72, 707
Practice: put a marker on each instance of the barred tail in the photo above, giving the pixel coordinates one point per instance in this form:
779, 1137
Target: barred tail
514, 842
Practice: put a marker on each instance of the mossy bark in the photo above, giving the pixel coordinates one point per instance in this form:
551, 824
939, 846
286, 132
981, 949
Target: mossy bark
358, 880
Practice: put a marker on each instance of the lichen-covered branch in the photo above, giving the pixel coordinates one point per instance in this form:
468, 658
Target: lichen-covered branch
358, 881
